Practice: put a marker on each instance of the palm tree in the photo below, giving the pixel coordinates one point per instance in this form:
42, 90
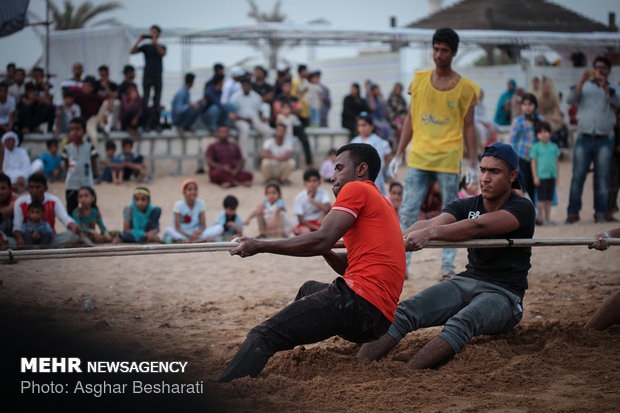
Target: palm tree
271, 47
72, 17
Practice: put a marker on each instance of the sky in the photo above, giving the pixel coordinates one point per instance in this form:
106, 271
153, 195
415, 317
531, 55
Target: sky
25, 48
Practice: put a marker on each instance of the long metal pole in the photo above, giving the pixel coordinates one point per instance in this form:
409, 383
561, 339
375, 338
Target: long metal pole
150, 249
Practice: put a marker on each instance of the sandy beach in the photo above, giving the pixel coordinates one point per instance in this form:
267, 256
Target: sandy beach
199, 307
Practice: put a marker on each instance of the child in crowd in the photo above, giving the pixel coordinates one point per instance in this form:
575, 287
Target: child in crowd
141, 219
287, 118
88, 217
273, 221
188, 218
230, 220
396, 196
65, 112
36, 231
311, 204
113, 165
314, 96
329, 165
523, 136
80, 158
52, 162
467, 191
544, 156
132, 163
131, 110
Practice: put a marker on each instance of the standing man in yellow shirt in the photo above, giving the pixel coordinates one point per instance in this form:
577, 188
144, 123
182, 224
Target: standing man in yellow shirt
441, 116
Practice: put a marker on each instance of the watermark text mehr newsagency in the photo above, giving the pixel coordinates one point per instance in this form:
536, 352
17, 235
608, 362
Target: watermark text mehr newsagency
75, 365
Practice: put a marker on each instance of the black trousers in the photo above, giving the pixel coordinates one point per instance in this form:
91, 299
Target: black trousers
319, 311
156, 84
300, 132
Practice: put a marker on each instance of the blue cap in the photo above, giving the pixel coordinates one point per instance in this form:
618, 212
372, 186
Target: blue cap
507, 154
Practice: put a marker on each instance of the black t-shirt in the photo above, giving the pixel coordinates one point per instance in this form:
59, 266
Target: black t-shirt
262, 89
101, 90
153, 66
506, 267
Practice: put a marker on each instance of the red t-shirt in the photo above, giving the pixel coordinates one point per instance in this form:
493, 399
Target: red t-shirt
375, 246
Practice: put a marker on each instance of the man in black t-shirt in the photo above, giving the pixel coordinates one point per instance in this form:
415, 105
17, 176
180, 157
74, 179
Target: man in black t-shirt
487, 297
153, 68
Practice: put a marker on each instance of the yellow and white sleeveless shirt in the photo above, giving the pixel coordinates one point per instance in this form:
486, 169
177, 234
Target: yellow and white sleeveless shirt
437, 119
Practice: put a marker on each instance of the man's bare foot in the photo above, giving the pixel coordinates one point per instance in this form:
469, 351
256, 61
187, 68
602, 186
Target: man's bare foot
226, 184
377, 349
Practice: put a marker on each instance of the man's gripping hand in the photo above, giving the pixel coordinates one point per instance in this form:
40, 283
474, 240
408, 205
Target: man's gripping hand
417, 240
247, 247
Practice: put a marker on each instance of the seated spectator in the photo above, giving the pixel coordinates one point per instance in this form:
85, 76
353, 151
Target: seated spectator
52, 209
188, 218
395, 196
379, 110
232, 84
212, 112
18, 88
503, 114
485, 131
75, 83
229, 220
129, 76
273, 220
65, 112
218, 69
226, 162
109, 90
277, 161
288, 118
312, 204
112, 165
7, 200
30, 113
397, 108
247, 115
298, 129
264, 89
91, 103
141, 219
132, 163
352, 106
16, 164
328, 166
7, 109
431, 207
10, 74
184, 112
314, 97
44, 92
52, 162
131, 110
326, 103
367, 135
36, 231
88, 217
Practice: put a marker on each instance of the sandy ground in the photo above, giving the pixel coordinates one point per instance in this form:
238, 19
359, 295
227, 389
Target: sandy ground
199, 307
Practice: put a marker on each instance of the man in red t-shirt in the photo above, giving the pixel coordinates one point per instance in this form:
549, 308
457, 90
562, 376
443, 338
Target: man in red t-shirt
360, 305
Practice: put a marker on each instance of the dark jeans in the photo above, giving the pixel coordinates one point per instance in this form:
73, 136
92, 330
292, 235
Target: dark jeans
72, 200
147, 84
300, 132
525, 176
319, 311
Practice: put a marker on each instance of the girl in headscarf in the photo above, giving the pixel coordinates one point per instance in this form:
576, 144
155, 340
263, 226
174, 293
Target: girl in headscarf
141, 219
502, 115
